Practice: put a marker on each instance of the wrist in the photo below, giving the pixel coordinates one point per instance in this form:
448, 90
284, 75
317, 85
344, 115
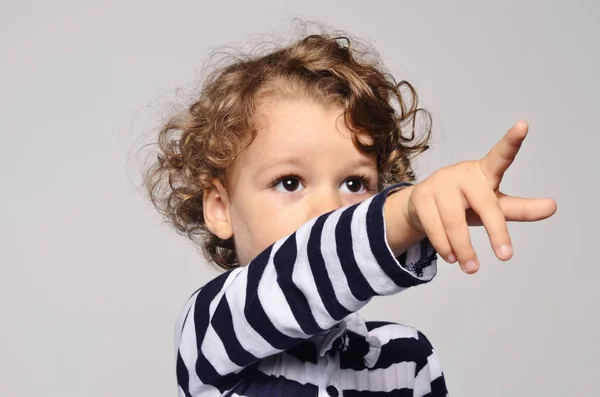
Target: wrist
411, 217
400, 233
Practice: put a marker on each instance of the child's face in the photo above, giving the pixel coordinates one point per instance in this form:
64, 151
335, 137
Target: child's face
302, 164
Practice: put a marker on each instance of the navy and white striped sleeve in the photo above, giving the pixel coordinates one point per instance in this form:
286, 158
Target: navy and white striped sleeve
301, 285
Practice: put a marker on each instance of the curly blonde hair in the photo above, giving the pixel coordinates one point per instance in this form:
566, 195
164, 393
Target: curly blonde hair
200, 145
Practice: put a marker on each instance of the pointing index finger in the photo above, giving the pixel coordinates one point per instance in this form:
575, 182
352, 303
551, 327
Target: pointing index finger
502, 155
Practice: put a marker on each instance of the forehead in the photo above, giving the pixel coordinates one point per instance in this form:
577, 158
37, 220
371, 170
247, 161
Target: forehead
302, 128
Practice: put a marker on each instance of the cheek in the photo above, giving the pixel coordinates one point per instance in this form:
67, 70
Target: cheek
257, 230
274, 226
355, 199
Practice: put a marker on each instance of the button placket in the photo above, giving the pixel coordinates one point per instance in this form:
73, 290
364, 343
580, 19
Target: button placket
331, 381
332, 391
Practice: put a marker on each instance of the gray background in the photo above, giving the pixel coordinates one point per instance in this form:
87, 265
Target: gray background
91, 281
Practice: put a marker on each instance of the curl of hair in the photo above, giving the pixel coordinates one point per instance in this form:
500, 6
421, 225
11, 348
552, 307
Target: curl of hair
200, 145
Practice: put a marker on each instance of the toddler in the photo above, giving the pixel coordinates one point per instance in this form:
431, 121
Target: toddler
293, 171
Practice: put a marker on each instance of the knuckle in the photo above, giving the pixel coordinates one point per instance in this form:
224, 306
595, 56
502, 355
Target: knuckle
454, 222
487, 206
442, 173
463, 165
422, 191
463, 249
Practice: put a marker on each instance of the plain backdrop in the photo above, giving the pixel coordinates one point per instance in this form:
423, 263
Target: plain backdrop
91, 280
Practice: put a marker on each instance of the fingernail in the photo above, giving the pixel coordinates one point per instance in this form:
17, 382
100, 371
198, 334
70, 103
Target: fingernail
451, 258
470, 266
506, 251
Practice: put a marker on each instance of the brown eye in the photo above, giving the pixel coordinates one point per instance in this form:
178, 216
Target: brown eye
355, 185
291, 184
288, 184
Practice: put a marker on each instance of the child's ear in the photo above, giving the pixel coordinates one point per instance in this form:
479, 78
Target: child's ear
215, 203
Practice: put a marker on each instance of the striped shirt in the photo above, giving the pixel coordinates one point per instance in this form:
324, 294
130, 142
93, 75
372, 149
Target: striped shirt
286, 324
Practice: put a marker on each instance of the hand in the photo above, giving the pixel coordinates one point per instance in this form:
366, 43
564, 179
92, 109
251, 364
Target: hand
467, 194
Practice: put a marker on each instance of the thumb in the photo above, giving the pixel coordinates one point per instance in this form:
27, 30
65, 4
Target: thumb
521, 209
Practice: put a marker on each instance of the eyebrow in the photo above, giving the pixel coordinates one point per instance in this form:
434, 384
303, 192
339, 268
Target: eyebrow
297, 161
280, 161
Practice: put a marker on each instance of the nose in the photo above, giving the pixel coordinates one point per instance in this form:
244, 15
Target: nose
323, 202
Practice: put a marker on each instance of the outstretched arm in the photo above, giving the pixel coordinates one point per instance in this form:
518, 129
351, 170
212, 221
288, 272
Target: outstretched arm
301, 285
